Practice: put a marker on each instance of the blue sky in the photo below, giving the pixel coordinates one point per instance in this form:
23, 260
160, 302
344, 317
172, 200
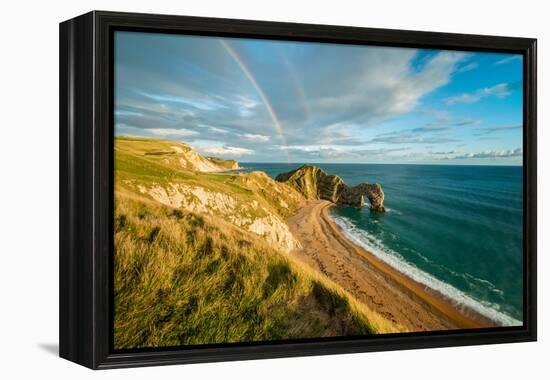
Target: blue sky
280, 101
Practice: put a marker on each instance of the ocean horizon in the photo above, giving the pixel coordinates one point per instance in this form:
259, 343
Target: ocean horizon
298, 164
456, 229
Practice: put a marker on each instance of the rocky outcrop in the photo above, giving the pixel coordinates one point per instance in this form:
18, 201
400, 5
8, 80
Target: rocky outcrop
245, 213
224, 164
191, 160
354, 196
314, 183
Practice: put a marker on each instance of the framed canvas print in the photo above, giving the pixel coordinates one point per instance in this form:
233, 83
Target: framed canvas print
237, 189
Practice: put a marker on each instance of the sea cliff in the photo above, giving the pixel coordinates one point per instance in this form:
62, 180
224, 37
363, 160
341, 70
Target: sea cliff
314, 183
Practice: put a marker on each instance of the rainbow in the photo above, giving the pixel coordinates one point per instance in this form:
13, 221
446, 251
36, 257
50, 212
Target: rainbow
254, 83
297, 87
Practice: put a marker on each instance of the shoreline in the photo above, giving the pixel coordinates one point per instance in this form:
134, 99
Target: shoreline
370, 280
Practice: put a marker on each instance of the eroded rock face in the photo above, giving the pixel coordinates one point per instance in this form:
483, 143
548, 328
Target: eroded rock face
247, 214
314, 183
354, 196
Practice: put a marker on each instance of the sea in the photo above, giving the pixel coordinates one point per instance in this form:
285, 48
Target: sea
455, 229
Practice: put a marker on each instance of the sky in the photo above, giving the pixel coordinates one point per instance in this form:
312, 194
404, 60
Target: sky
284, 101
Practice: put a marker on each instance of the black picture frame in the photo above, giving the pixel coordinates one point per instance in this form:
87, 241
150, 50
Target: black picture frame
86, 187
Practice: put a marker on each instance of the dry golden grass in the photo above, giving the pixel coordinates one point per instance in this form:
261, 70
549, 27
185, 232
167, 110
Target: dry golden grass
182, 278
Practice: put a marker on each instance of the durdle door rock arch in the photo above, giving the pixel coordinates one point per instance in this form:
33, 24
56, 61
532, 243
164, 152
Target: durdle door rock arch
354, 196
315, 183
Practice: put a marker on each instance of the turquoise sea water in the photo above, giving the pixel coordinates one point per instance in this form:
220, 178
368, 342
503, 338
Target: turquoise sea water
457, 229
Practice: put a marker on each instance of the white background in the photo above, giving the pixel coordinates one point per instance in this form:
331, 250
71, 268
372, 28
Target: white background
29, 187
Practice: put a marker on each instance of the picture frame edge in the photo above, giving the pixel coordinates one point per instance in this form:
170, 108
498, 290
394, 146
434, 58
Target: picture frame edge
86, 200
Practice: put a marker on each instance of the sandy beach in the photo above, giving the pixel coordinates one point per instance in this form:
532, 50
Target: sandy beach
371, 281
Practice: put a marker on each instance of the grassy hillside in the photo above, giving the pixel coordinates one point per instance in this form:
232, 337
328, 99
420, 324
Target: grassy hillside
252, 201
186, 272
174, 154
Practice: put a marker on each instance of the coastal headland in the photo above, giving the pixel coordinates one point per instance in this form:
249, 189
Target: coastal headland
208, 253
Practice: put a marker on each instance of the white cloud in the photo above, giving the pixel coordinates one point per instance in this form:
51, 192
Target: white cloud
122, 112
509, 59
203, 103
255, 138
309, 148
339, 152
372, 85
320, 152
213, 129
229, 151
442, 153
435, 74
171, 132
502, 128
500, 90
245, 105
468, 67
493, 154
411, 138
218, 130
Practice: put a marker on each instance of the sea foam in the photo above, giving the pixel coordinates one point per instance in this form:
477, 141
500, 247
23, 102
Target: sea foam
459, 298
